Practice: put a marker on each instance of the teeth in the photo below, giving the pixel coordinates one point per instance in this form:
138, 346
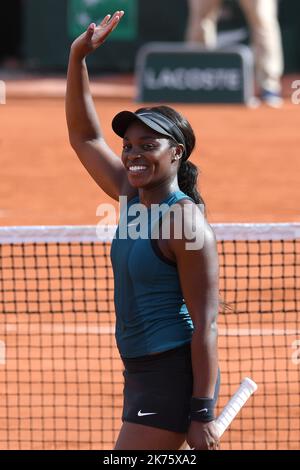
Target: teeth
137, 168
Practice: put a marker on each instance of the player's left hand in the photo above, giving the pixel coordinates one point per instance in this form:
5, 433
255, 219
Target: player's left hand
203, 436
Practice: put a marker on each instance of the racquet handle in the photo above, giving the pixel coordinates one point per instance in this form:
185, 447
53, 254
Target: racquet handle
237, 401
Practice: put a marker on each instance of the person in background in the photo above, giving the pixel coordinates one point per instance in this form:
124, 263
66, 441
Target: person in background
266, 38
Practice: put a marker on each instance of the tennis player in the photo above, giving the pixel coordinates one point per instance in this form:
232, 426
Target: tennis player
166, 295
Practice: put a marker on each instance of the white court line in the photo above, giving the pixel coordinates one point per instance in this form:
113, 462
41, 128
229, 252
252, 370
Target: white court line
59, 328
2, 353
49, 328
2, 92
257, 332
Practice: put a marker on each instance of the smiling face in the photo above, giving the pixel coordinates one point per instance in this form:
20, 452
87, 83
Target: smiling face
149, 158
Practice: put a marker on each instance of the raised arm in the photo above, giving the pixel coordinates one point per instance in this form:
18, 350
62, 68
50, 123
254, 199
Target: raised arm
85, 134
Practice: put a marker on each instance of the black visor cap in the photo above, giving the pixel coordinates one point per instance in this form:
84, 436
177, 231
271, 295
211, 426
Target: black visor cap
155, 121
124, 119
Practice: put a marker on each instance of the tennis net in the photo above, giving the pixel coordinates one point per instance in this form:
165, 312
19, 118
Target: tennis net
60, 373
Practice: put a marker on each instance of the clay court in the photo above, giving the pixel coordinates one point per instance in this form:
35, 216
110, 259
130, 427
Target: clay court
249, 158
250, 166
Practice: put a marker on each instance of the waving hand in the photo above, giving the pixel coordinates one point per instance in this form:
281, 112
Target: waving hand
95, 35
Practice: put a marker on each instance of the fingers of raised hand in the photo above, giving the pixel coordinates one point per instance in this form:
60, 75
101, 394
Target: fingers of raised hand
107, 25
91, 29
112, 21
105, 20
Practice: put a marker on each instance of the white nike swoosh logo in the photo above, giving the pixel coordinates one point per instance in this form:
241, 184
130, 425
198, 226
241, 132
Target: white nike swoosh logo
203, 409
145, 414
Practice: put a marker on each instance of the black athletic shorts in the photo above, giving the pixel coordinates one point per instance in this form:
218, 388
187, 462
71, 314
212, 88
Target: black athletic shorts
158, 389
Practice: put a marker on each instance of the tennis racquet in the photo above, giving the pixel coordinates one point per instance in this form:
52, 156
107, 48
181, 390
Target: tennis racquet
232, 408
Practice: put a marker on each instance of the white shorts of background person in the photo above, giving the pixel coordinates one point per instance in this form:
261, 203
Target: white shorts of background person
261, 16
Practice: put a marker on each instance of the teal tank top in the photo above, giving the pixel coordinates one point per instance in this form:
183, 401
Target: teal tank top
151, 315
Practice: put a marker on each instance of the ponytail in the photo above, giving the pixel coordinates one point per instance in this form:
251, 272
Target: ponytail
187, 181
